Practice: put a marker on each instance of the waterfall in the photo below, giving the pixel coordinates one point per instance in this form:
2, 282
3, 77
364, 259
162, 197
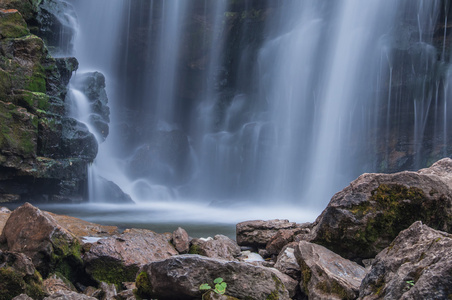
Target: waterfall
267, 102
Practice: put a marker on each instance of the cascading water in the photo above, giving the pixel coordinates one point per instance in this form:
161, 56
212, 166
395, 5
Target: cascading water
266, 102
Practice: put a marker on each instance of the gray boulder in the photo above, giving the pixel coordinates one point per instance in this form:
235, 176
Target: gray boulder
326, 275
218, 247
366, 216
181, 240
179, 277
417, 265
287, 263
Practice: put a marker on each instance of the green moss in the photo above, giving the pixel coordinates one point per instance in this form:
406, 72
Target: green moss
194, 249
12, 284
66, 257
12, 25
333, 288
37, 81
306, 274
112, 271
378, 287
144, 288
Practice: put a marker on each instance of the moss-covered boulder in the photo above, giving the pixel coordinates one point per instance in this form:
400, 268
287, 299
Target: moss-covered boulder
51, 247
366, 216
19, 276
417, 265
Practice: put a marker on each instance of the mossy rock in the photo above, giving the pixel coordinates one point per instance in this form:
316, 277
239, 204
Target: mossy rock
13, 283
12, 24
112, 271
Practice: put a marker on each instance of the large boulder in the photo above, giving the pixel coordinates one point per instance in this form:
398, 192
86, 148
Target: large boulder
258, 233
118, 258
417, 265
366, 216
220, 246
36, 234
180, 277
18, 275
326, 275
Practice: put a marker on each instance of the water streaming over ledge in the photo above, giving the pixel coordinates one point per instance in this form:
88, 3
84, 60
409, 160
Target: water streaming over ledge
274, 104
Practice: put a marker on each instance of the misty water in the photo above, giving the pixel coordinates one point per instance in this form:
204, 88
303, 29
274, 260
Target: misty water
264, 121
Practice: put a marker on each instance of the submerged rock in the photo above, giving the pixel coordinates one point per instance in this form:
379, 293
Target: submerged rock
118, 258
366, 216
326, 275
179, 277
417, 265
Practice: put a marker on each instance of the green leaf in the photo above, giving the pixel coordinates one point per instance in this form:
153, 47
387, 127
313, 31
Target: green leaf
220, 288
218, 280
205, 286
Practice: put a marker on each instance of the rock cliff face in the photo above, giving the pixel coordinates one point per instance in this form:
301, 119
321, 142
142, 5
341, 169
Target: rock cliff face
43, 153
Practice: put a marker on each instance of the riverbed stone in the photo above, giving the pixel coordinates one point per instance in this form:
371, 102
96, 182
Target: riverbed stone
417, 265
258, 233
286, 261
220, 246
179, 277
181, 240
326, 275
366, 216
37, 234
118, 258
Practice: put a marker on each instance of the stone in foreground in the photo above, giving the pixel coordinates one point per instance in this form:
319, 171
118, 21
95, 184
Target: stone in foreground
326, 275
179, 278
417, 265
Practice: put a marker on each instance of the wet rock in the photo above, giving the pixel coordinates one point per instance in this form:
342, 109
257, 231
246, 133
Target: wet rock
181, 240
280, 239
108, 291
22, 297
118, 258
417, 265
366, 216
219, 247
12, 24
258, 233
326, 275
110, 192
179, 277
36, 234
18, 276
287, 263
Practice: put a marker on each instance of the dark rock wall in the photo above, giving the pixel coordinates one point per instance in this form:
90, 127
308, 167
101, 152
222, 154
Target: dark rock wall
43, 153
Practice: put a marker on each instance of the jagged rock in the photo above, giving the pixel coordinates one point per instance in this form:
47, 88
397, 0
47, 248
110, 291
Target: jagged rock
258, 233
118, 258
110, 192
179, 277
326, 275
290, 284
219, 247
366, 216
280, 239
108, 291
69, 296
18, 275
181, 240
36, 234
57, 284
417, 265
287, 263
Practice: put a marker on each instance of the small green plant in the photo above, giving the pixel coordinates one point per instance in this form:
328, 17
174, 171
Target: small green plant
220, 287
410, 282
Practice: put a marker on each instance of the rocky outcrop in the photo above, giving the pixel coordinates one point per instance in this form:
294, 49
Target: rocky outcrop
37, 235
44, 154
118, 258
417, 265
179, 277
366, 216
326, 275
219, 246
